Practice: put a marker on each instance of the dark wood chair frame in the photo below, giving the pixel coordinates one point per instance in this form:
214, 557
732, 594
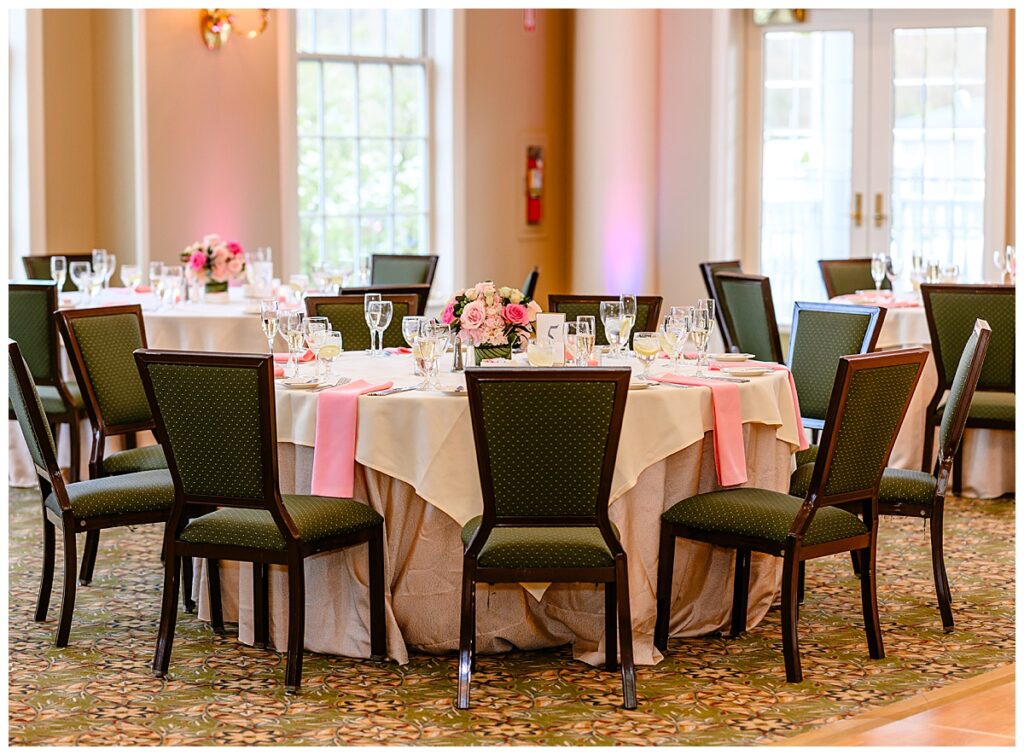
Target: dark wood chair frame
420, 290
708, 271
431, 269
653, 304
769, 308
530, 283
295, 552
826, 275
877, 318
73, 417
101, 429
792, 551
932, 416
51, 481
615, 578
26, 262
313, 303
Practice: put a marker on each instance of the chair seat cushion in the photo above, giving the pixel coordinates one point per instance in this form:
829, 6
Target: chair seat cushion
986, 405
808, 455
124, 494
54, 404
541, 547
316, 517
898, 485
762, 514
141, 459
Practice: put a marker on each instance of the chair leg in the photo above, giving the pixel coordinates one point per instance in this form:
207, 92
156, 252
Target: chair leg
296, 625
626, 633
188, 602
869, 604
467, 631
92, 545
929, 440
213, 584
75, 440
67, 600
958, 470
666, 562
378, 631
260, 607
740, 588
168, 616
942, 592
611, 650
790, 616
49, 556
855, 560
801, 573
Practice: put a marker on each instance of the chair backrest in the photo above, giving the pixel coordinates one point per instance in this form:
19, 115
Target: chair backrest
28, 409
402, 269
573, 305
869, 401
750, 315
420, 290
99, 343
37, 267
347, 316
951, 310
30, 322
708, 270
820, 334
848, 276
958, 405
546, 442
530, 284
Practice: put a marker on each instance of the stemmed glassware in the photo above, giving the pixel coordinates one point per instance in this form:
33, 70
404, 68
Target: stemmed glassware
701, 324
611, 319
410, 326
893, 270
156, 269
330, 349
878, 266
321, 278
108, 271
426, 349
59, 271
585, 339
364, 270
378, 316
78, 271
1006, 264
646, 347
570, 339
196, 285
269, 311
298, 284
368, 299
131, 276
99, 262
628, 302
314, 331
668, 337
174, 280
290, 325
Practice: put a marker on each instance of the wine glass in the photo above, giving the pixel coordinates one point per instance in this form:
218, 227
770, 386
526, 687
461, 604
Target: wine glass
156, 280
611, 319
321, 278
570, 341
1011, 265
290, 325
893, 270
700, 330
878, 266
155, 271
586, 327
59, 271
78, 271
367, 300
269, 311
379, 314
646, 347
709, 306
314, 329
540, 353
628, 302
410, 326
330, 349
425, 352
94, 285
299, 283
174, 278
668, 334
99, 261
364, 270
131, 276
108, 271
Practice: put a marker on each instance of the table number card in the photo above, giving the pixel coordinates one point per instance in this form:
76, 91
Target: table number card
550, 329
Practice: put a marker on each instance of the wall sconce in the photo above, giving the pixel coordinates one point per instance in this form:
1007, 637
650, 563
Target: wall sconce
216, 25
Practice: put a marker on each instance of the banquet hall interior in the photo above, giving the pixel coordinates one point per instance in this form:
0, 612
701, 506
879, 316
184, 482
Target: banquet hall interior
511, 376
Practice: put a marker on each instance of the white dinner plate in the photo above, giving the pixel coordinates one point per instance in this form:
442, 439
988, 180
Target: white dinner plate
638, 386
747, 371
454, 390
301, 383
730, 357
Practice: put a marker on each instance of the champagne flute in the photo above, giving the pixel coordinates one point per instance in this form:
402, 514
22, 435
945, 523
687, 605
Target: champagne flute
59, 271
1011, 264
367, 300
668, 334
290, 326
611, 319
878, 266
313, 329
570, 339
586, 327
700, 330
424, 347
709, 306
628, 302
269, 311
645, 344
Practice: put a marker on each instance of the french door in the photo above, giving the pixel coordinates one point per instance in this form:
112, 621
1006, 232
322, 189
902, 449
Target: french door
875, 131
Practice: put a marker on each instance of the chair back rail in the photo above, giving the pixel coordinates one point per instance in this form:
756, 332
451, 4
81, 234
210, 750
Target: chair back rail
402, 269
648, 309
530, 284
346, 314
37, 267
420, 290
709, 271
963, 385
31, 322
750, 315
848, 276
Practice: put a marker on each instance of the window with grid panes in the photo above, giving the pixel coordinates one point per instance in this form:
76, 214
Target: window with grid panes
362, 135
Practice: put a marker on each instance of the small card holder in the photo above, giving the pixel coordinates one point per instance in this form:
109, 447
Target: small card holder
551, 329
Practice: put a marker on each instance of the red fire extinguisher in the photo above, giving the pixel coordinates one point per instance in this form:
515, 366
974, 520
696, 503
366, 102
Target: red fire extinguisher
534, 184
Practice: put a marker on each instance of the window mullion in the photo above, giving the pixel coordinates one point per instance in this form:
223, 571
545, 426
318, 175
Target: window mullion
391, 158
357, 236
321, 119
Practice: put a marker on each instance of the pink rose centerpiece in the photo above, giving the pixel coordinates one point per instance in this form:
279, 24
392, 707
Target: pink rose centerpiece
213, 262
491, 318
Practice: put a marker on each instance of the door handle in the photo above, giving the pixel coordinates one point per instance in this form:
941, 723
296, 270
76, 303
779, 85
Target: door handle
880, 216
857, 216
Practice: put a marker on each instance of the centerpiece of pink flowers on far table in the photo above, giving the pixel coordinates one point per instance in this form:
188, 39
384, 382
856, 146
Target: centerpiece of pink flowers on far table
212, 263
493, 319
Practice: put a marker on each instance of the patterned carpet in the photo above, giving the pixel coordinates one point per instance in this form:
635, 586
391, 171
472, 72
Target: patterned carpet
709, 691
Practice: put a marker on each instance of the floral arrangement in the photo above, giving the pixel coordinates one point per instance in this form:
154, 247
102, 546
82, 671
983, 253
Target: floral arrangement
214, 259
488, 316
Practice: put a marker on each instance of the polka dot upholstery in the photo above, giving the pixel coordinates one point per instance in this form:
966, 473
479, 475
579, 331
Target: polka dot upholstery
107, 343
765, 514
817, 341
546, 442
988, 405
30, 323
752, 331
573, 309
350, 321
800, 480
400, 270
124, 494
954, 314
135, 460
316, 518
850, 277
808, 455
540, 547
897, 486
38, 268
52, 401
41, 448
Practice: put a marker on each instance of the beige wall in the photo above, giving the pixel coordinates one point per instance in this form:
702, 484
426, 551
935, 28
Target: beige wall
517, 84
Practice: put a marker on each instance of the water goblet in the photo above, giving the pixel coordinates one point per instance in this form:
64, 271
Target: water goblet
78, 271
99, 262
878, 266
410, 325
380, 313
611, 319
367, 300
646, 347
299, 283
174, 279
313, 329
269, 311
59, 271
131, 276
330, 349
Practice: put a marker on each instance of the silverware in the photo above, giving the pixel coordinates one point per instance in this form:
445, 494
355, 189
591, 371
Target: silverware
335, 384
389, 391
727, 379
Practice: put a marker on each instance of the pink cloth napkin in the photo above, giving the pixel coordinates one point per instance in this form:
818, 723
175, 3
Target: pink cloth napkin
792, 387
143, 290
334, 446
730, 455
882, 301
398, 350
307, 357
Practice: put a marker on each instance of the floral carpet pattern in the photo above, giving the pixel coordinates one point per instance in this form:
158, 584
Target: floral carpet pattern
719, 691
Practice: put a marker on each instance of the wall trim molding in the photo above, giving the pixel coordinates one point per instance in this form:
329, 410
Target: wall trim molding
140, 146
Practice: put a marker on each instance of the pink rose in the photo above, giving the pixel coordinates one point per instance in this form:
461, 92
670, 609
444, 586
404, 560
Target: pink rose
234, 247
235, 265
473, 315
219, 270
197, 261
448, 316
516, 314
535, 309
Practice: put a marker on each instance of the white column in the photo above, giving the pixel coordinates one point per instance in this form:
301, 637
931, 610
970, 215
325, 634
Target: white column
615, 114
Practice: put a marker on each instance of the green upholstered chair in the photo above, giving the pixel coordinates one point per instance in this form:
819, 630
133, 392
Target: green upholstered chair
402, 269
749, 314
37, 267
908, 492
99, 342
648, 308
848, 276
951, 310
31, 322
820, 334
420, 290
708, 271
869, 400
546, 441
530, 283
215, 416
140, 498
347, 316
